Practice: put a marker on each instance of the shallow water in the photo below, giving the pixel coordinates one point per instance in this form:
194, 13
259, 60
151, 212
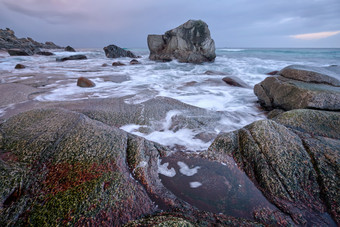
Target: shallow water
211, 186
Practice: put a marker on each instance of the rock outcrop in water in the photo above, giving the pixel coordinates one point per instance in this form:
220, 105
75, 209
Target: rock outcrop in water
294, 160
297, 86
113, 51
190, 42
26, 46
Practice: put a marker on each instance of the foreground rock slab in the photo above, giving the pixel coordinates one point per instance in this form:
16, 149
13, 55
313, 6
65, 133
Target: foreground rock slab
190, 42
294, 160
298, 87
60, 167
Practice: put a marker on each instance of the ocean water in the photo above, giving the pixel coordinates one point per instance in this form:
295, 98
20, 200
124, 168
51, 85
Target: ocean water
184, 82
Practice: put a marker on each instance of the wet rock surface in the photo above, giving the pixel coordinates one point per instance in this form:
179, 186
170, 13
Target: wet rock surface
190, 42
113, 51
62, 168
294, 161
297, 87
85, 82
72, 57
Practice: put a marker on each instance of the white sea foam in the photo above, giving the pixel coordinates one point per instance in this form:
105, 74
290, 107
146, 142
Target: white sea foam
184, 82
195, 184
185, 170
164, 170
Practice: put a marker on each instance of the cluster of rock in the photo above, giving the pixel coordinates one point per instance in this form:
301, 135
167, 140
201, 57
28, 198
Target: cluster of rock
23, 46
190, 42
297, 87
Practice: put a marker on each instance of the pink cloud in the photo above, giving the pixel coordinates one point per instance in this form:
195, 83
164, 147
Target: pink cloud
318, 35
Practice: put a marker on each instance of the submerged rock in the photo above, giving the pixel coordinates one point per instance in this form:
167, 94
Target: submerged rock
294, 161
117, 63
85, 82
113, 51
297, 87
134, 62
72, 57
190, 42
235, 81
19, 66
45, 53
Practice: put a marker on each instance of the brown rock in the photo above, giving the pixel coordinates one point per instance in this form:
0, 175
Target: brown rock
20, 66
272, 73
134, 62
84, 82
117, 63
235, 81
212, 72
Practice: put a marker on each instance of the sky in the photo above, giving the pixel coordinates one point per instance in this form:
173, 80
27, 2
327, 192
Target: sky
126, 23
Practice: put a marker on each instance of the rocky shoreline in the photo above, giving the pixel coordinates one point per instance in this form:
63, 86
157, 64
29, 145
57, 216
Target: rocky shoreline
68, 163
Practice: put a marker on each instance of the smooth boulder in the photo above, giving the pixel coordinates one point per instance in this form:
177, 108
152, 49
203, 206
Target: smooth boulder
190, 42
298, 87
85, 82
113, 51
19, 66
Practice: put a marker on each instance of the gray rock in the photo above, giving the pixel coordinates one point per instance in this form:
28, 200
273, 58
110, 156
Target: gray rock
325, 75
8, 40
19, 52
113, 51
73, 57
299, 88
69, 49
235, 81
45, 53
294, 160
190, 42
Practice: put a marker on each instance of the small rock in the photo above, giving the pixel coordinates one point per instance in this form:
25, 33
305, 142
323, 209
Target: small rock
212, 72
235, 81
105, 65
44, 53
117, 63
84, 82
70, 49
272, 73
134, 62
73, 57
20, 66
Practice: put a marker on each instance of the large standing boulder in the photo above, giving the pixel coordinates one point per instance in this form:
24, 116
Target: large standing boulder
190, 42
297, 87
294, 160
113, 51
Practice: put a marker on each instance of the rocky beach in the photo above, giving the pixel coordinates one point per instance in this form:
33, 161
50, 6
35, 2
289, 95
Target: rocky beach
182, 134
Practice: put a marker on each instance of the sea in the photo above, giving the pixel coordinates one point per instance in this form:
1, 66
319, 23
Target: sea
185, 82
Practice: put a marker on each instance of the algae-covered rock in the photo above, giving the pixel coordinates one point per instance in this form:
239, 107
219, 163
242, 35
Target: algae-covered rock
294, 159
63, 168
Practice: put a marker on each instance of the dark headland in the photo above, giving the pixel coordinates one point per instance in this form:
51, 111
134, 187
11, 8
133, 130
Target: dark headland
68, 163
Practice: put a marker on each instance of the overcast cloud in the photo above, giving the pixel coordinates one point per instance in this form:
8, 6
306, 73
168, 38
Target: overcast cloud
232, 23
